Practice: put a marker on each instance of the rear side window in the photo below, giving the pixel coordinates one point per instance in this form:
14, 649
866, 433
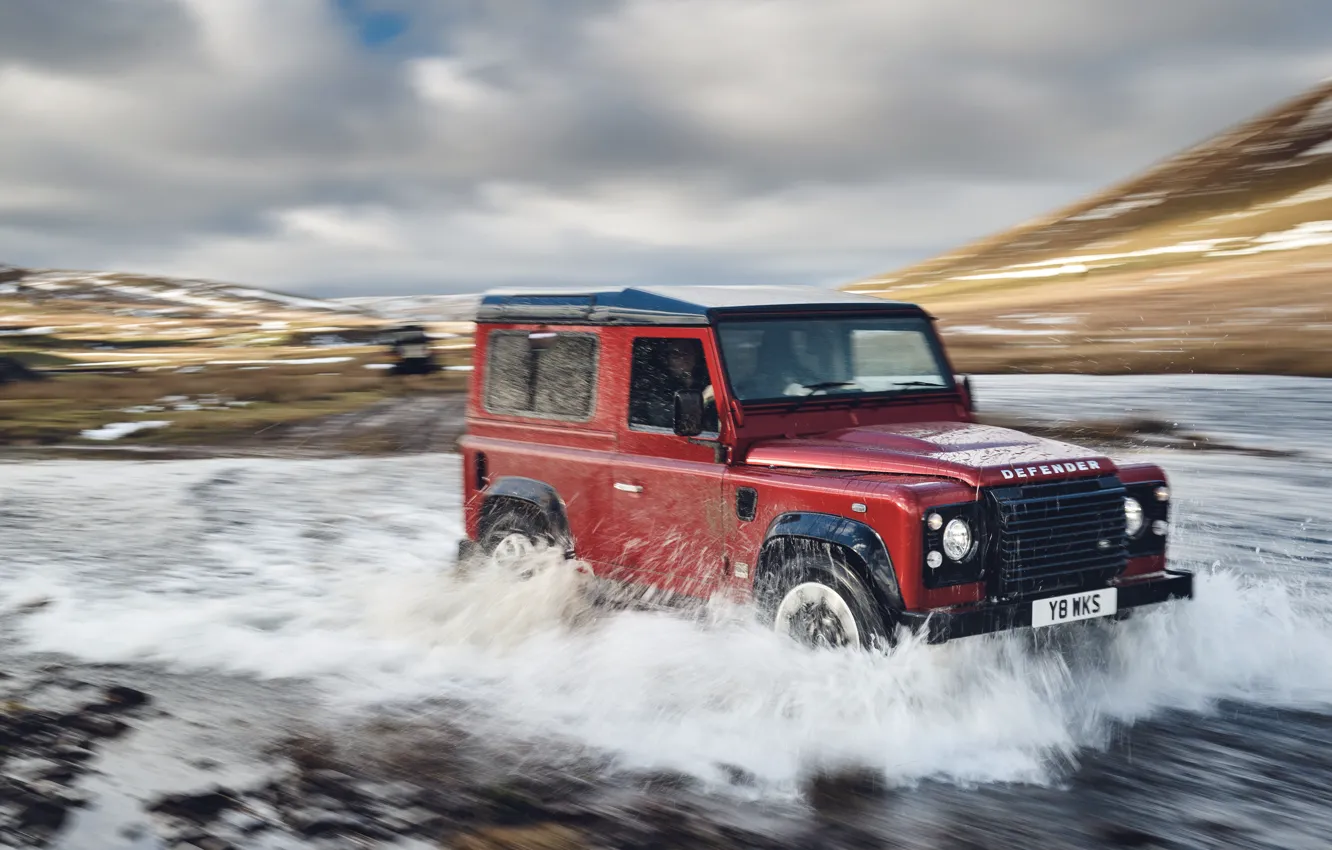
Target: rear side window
549, 375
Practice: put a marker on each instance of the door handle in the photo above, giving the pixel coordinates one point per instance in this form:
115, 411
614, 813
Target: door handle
629, 488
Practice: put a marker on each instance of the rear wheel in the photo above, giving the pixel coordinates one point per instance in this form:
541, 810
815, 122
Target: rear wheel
818, 601
517, 542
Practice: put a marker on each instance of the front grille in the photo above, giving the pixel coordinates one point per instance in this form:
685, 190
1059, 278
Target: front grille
1064, 535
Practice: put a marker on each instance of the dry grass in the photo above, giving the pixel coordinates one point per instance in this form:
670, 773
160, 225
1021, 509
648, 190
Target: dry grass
57, 409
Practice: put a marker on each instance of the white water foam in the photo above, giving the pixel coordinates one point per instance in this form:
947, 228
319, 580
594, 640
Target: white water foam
376, 619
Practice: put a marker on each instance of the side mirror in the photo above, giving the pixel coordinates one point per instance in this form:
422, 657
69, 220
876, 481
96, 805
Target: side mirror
688, 413
964, 388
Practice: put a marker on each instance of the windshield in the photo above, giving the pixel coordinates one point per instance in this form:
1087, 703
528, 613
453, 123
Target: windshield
771, 359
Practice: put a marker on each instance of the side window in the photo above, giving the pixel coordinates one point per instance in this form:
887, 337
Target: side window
662, 365
543, 374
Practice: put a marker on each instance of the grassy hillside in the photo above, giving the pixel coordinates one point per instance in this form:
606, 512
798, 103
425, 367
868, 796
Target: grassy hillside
1217, 259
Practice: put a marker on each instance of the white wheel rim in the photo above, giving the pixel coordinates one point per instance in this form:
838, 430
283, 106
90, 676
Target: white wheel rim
512, 550
813, 595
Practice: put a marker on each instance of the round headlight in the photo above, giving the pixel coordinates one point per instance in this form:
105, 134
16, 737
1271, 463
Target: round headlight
1133, 516
957, 539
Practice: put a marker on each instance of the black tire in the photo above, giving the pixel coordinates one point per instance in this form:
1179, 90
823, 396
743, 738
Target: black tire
519, 521
810, 594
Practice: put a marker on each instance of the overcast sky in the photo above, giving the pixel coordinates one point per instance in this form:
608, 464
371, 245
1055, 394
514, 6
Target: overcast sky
344, 147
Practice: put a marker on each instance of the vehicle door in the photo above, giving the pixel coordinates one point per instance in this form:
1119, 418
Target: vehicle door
666, 487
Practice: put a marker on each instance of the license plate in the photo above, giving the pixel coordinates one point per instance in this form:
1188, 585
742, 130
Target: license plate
1075, 606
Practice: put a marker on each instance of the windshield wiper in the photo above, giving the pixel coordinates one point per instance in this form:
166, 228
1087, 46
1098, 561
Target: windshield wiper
826, 385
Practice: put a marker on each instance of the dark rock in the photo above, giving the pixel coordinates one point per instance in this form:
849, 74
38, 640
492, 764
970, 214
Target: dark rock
44, 814
845, 788
72, 752
13, 370
665, 780
120, 697
511, 804
196, 808
317, 823
1126, 836
334, 783
737, 775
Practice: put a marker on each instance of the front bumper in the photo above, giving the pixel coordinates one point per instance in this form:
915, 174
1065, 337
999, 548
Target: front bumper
942, 626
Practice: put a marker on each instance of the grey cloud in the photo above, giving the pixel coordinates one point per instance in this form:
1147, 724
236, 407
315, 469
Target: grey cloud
189, 165
89, 35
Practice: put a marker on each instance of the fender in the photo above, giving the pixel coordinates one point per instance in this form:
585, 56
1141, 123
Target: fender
869, 554
538, 494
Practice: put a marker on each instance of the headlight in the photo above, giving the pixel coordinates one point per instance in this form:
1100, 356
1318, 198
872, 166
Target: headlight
957, 539
1133, 516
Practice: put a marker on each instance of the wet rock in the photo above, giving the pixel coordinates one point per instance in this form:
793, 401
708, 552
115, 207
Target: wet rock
197, 808
1118, 835
121, 698
847, 788
737, 775
70, 751
318, 823
665, 780
46, 814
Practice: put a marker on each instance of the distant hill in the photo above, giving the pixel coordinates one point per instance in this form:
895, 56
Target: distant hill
417, 308
1218, 258
147, 296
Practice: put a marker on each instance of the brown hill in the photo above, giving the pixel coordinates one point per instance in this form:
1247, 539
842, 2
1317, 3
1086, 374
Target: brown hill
1216, 259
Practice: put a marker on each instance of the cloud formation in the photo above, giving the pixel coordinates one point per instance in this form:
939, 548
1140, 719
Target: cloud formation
596, 141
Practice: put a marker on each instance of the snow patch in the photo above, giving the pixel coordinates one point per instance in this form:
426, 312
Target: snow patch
116, 430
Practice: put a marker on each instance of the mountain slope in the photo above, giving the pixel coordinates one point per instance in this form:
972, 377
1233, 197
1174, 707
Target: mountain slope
1218, 258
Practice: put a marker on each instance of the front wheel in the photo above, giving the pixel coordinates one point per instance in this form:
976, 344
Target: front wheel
815, 615
821, 603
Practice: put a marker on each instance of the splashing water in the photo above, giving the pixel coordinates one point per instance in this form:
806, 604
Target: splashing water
280, 569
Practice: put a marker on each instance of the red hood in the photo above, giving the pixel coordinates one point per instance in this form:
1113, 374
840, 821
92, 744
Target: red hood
980, 455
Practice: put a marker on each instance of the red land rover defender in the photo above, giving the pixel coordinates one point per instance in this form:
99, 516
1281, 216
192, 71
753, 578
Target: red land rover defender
806, 449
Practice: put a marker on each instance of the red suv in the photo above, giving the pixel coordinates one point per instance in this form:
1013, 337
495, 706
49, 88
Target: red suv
808, 450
